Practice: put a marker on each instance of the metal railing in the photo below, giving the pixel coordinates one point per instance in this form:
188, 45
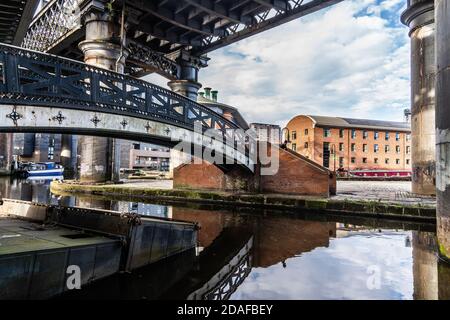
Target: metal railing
39, 79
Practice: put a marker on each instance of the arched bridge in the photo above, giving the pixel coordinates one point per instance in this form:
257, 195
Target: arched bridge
44, 93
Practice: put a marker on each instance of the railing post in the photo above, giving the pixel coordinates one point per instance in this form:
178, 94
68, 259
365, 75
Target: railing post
11, 73
95, 87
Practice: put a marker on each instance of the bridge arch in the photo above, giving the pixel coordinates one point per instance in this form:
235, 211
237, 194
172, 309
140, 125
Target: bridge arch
45, 93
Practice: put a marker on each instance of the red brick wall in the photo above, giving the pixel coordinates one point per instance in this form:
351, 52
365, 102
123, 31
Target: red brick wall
207, 176
298, 175
199, 176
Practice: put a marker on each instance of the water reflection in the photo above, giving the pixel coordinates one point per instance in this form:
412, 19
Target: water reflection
244, 256
36, 189
273, 256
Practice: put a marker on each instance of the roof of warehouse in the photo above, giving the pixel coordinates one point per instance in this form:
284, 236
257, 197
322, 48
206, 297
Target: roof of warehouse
323, 121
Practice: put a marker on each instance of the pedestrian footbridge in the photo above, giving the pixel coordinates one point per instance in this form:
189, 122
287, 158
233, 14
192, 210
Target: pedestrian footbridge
41, 92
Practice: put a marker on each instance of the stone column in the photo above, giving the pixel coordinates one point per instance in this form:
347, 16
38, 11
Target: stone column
425, 265
100, 160
187, 86
442, 15
68, 154
5, 153
419, 17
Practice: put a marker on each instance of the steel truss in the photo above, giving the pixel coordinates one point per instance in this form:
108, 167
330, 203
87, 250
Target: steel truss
60, 18
276, 13
150, 60
197, 26
54, 22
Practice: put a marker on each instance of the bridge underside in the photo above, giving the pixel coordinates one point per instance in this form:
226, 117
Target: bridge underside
15, 16
158, 30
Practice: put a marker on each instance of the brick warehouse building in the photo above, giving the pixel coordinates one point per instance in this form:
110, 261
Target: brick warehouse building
359, 144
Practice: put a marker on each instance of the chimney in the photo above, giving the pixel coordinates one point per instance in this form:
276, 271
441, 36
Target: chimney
214, 94
202, 94
207, 93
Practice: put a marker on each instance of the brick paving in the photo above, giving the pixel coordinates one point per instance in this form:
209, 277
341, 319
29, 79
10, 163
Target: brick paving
385, 191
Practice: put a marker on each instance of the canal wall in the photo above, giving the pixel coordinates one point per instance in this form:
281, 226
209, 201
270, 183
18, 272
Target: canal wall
361, 208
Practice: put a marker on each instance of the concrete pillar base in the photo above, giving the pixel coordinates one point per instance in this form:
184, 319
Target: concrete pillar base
442, 17
419, 17
95, 166
443, 231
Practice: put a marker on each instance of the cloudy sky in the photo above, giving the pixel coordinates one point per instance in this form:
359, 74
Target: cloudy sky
351, 60
340, 271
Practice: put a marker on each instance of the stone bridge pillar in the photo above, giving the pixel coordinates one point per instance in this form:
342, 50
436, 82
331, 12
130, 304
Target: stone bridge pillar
425, 266
5, 153
100, 157
442, 14
187, 86
419, 17
68, 154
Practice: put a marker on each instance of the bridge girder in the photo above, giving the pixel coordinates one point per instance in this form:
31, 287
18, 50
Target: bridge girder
40, 119
161, 28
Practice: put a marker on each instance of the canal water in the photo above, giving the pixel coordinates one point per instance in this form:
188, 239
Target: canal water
270, 255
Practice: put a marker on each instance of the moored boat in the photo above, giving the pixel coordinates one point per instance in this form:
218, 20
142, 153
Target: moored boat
44, 169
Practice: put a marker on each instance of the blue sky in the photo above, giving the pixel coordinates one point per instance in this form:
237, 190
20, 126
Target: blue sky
351, 60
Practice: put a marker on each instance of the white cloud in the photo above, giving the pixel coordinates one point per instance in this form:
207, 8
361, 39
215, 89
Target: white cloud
339, 271
351, 60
